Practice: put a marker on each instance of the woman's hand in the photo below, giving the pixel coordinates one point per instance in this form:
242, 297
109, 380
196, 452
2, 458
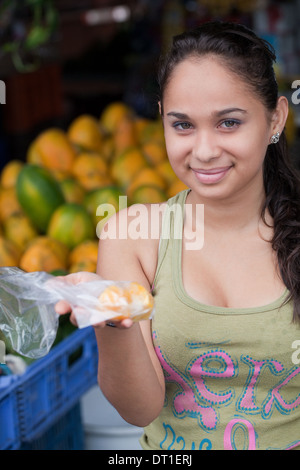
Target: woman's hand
62, 307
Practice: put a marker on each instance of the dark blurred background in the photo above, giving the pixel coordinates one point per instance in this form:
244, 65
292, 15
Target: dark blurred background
84, 54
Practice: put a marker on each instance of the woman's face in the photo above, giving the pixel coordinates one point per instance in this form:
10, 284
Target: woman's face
216, 130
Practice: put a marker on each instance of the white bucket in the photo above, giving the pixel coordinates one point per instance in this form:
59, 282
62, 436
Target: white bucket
104, 429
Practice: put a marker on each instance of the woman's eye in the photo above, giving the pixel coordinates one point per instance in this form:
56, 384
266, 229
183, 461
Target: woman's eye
182, 126
230, 123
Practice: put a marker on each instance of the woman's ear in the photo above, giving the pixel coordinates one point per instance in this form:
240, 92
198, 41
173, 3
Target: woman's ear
160, 108
280, 115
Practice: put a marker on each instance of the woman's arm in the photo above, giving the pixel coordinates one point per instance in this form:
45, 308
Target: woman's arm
130, 374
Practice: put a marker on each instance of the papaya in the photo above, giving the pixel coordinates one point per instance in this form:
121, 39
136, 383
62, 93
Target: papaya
72, 190
113, 114
126, 165
85, 132
91, 170
155, 152
146, 176
165, 170
85, 251
71, 224
148, 194
125, 135
10, 173
9, 203
53, 150
107, 196
44, 254
9, 253
39, 194
19, 229
86, 265
175, 187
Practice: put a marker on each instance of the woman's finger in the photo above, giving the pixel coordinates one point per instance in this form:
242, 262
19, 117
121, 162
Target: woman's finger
62, 307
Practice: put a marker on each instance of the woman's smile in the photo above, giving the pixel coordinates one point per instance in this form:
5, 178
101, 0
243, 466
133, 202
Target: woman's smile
211, 176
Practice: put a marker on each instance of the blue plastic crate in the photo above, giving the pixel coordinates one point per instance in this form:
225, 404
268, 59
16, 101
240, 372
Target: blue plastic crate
52, 385
9, 417
65, 434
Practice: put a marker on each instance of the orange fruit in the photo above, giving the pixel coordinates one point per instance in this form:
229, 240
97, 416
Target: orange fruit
44, 254
125, 166
10, 173
113, 114
9, 203
53, 150
71, 224
146, 176
91, 170
19, 229
148, 194
132, 301
9, 253
86, 133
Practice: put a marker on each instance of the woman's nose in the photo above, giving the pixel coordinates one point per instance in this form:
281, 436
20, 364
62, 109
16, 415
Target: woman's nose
205, 146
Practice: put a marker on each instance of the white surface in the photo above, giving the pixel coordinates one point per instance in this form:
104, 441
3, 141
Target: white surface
103, 426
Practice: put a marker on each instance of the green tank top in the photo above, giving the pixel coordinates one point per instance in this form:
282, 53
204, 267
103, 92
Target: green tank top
232, 375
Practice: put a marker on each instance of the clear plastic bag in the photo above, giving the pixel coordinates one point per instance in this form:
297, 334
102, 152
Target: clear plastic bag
29, 322
27, 314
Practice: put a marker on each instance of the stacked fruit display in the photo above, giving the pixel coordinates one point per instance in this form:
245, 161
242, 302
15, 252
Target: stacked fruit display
48, 204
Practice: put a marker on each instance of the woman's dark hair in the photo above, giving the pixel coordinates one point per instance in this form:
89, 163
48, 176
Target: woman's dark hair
252, 59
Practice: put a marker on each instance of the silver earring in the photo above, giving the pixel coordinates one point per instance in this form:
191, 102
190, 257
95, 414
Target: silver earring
275, 138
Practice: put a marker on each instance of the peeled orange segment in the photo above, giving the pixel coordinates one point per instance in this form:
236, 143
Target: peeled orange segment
132, 301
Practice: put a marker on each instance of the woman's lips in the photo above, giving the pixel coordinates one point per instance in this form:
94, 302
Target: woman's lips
211, 176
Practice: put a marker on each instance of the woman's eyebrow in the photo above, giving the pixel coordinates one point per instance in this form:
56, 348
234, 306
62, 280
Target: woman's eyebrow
229, 110
178, 115
216, 113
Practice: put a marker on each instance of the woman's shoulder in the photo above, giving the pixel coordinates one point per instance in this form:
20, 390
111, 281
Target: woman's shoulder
135, 222
130, 239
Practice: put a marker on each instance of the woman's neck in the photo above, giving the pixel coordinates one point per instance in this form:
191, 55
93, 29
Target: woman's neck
241, 213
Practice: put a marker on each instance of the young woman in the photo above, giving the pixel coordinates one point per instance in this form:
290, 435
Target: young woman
217, 366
